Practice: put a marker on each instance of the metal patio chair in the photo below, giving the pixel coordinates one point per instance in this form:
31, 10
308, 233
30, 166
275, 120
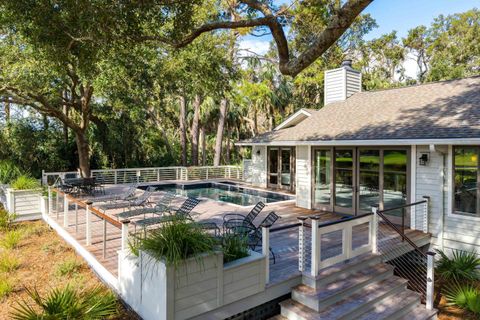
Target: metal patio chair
184, 212
123, 196
232, 221
162, 206
255, 235
140, 201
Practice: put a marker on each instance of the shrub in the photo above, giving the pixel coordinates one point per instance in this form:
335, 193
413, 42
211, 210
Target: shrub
176, 241
11, 239
25, 182
234, 247
6, 287
8, 262
462, 266
67, 267
465, 296
67, 303
6, 218
8, 172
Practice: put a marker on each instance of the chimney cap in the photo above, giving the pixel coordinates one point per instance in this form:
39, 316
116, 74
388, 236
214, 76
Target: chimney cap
347, 63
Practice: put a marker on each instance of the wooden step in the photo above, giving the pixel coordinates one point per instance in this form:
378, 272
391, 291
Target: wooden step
330, 274
294, 310
278, 317
420, 313
354, 305
394, 307
345, 285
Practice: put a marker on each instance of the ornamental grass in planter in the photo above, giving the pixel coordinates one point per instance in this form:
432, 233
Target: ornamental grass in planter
25, 182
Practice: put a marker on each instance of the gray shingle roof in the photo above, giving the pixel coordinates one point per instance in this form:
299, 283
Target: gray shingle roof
447, 109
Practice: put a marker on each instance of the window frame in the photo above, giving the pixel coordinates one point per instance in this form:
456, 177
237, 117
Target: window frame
454, 212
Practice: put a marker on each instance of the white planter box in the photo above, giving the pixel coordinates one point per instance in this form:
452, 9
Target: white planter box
26, 204
157, 291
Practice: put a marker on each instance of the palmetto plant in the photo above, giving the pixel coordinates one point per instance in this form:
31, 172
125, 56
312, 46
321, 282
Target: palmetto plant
466, 296
67, 303
462, 266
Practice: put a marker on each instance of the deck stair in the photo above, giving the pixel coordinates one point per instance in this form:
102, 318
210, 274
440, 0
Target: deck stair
363, 288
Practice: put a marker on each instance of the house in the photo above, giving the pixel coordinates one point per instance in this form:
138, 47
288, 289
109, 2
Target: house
385, 147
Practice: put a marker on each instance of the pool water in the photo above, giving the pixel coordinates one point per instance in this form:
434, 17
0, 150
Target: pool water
225, 192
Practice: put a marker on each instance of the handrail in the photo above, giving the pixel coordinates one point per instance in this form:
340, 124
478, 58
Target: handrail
402, 234
286, 227
404, 206
331, 223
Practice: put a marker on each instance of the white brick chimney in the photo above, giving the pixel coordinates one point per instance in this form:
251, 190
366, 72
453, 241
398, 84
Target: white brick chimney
341, 83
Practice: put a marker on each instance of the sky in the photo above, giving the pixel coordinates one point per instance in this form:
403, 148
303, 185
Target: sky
399, 15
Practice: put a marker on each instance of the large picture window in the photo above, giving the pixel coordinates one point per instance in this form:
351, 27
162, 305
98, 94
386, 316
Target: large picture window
465, 180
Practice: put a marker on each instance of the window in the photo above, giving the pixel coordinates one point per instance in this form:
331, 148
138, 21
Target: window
465, 180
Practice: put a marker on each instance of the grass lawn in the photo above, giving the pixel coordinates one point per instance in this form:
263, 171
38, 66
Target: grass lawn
33, 256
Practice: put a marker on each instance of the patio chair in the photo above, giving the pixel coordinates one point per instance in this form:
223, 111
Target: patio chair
99, 185
140, 201
162, 206
184, 212
236, 220
255, 235
124, 196
61, 185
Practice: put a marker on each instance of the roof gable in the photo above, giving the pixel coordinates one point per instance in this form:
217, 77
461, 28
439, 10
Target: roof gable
295, 119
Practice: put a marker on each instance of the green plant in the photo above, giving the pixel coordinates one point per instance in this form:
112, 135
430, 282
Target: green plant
8, 172
176, 241
25, 182
68, 267
6, 218
464, 295
463, 265
6, 286
67, 303
11, 239
8, 262
234, 247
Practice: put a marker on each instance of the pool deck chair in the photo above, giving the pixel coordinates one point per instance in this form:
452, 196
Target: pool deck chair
123, 196
255, 236
162, 206
140, 201
184, 212
232, 221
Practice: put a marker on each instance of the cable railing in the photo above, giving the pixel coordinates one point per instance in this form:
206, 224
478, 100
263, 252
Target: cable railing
397, 249
154, 174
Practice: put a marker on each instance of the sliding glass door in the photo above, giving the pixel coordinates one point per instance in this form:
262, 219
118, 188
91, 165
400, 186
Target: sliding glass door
353, 180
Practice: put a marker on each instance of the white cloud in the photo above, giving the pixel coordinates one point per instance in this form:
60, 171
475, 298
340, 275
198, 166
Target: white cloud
257, 46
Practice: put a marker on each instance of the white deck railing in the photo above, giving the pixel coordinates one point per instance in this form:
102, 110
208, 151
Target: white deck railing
154, 174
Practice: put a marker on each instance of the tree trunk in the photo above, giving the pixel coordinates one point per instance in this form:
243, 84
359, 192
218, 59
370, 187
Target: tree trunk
219, 138
7, 112
196, 117
183, 128
65, 127
83, 153
204, 145
227, 151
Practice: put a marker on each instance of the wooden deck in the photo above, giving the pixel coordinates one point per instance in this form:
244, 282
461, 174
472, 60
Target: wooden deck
283, 243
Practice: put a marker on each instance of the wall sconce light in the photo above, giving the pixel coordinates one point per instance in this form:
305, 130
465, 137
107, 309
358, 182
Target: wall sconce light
423, 160
258, 152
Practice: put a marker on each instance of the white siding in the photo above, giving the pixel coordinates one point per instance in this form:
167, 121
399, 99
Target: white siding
341, 83
429, 182
304, 177
353, 82
258, 166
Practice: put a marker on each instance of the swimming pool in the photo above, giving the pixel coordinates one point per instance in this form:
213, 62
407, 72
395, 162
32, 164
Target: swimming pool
225, 192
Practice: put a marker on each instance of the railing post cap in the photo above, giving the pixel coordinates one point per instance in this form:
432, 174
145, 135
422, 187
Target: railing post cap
266, 225
125, 221
431, 253
88, 202
302, 218
315, 217
426, 197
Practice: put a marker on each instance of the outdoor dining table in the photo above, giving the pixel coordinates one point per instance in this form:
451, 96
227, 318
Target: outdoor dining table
86, 185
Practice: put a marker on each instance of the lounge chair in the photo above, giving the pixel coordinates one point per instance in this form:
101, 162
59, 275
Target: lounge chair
232, 221
255, 234
184, 212
124, 196
140, 201
162, 206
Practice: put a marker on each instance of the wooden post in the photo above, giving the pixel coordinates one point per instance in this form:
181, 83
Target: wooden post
302, 248
88, 224
316, 254
426, 213
266, 251
65, 210
115, 175
50, 200
430, 279
374, 230
125, 234
206, 174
